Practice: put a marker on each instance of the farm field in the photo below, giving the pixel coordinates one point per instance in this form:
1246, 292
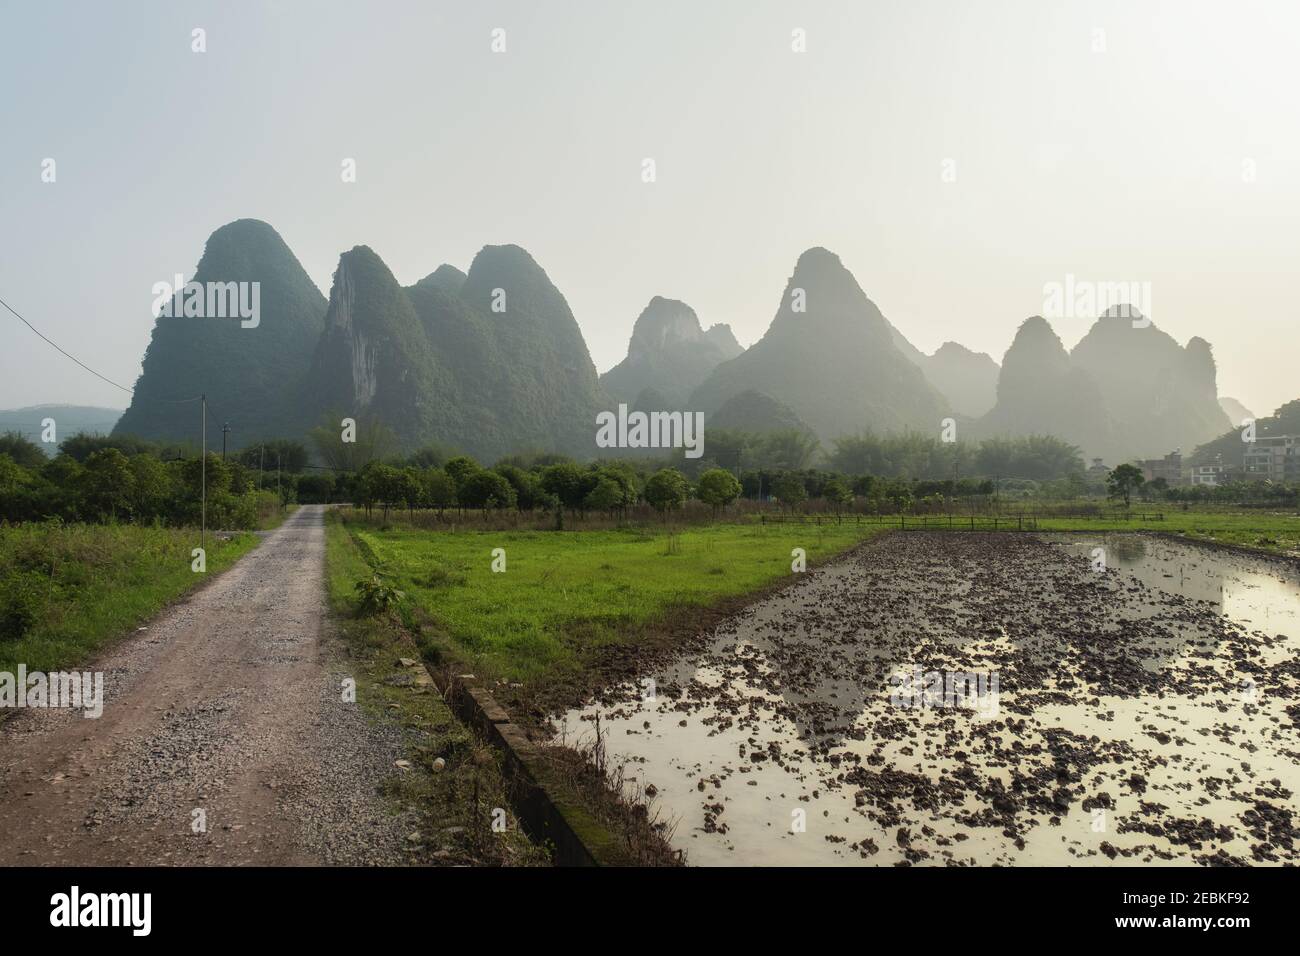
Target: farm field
565, 595
1274, 531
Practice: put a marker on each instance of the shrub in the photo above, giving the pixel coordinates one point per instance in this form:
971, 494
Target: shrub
377, 596
23, 596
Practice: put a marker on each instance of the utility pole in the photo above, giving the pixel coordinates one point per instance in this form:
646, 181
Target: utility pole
277, 480
203, 470
261, 455
225, 430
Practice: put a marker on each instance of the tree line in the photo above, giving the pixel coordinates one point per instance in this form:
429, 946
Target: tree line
100, 478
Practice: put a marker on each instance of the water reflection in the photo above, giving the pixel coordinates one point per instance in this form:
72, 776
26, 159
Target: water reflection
1256, 593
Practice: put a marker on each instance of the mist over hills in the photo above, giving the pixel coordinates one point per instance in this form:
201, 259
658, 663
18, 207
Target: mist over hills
1126, 390
492, 361
68, 420
670, 352
968, 380
752, 411
1228, 449
830, 356
1040, 393
1236, 412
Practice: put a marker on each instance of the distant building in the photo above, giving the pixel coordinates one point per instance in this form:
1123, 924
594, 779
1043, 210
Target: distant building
1097, 471
1209, 475
1275, 458
1170, 468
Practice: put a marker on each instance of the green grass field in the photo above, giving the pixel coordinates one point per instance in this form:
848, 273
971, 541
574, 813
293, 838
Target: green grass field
565, 594
68, 590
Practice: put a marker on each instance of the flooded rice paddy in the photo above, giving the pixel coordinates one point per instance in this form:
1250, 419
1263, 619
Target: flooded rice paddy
981, 699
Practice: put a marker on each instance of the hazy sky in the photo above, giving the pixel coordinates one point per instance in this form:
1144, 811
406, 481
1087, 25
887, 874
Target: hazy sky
1127, 164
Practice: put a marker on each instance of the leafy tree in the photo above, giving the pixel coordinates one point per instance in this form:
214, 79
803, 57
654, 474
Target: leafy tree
606, 496
151, 486
12, 475
527, 485
439, 489
26, 454
218, 475
109, 481
1123, 481
789, 489
431, 456
411, 485
81, 446
718, 488
291, 455
623, 475
384, 485
460, 468
666, 490
565, 481
319, 487
837, 494
486, 489
374, 442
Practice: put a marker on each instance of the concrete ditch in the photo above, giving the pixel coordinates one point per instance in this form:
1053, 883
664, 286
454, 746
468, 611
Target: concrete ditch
540, 798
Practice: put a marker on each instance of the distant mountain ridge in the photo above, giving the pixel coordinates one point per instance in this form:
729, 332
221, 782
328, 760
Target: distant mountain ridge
671, 352
1126, 390
968, 380
69, 420
829, 355
492, 361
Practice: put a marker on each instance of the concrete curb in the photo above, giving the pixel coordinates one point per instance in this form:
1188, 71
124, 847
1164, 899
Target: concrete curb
539, 797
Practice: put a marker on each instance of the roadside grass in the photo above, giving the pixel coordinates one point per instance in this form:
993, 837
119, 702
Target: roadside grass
270, 518
455, 801
66, 591
566, 595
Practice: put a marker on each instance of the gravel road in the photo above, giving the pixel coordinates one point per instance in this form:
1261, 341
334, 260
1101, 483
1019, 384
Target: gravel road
228, 703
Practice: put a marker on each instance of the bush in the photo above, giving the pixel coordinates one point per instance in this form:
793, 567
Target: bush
377, 596
23, 596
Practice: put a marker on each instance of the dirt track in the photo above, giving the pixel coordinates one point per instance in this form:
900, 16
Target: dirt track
229, 703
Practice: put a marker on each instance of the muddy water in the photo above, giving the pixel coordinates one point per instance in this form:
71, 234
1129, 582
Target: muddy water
1144, 713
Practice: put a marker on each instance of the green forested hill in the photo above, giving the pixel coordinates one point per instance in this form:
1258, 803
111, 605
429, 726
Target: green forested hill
435, 363
247, 373
375, 361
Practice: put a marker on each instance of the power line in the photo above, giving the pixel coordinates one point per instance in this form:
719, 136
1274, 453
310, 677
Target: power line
129, 391
66, 354
203, 526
